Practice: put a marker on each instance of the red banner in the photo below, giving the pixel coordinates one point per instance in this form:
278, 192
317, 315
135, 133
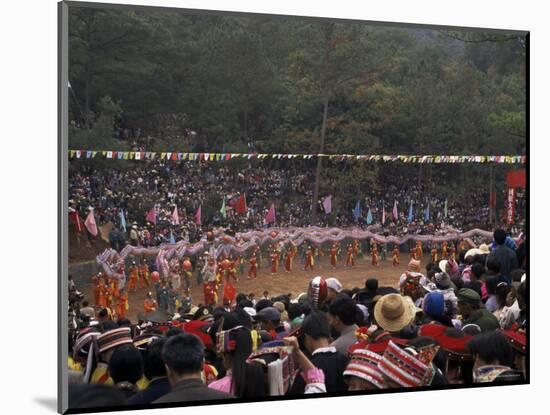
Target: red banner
516, 178
510, 205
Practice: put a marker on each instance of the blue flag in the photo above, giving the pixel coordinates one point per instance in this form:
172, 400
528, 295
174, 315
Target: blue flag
427, 213
172, 239
410, 217
122, 219
357, 210
369, 217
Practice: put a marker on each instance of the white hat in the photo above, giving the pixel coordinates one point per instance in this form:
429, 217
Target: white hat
472, 252
334, 284
250, 310
523, 277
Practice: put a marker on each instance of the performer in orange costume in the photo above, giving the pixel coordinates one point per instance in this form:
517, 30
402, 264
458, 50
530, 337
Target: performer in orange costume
350, 260
113, 292
418, 250
122, 304
143, 273
444, 250
309, 259
333, 254
95, 282
274, 262
374, 254
133, 277
452, 251
289, 255
150, 303
413, 253
434, 254
355, 248
252, 271
462, 246
395, 256
103, 295
231, 271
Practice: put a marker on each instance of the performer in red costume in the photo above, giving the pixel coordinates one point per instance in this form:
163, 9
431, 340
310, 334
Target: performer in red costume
395, 256
252, 271
274, 262
333, 255
350, 260
309, 259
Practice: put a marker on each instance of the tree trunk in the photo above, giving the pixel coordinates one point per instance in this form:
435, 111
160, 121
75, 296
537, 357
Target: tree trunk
319, 163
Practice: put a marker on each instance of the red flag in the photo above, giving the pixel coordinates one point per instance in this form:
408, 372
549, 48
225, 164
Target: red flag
151, 216
198, 216
175, 217
74, 218
270, 217
90, 223
240, 207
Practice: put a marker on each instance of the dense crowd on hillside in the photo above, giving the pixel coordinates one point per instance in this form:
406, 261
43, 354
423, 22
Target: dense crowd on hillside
187, 186
464, 324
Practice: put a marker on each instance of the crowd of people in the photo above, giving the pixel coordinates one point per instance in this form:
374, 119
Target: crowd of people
119, 191
457, 321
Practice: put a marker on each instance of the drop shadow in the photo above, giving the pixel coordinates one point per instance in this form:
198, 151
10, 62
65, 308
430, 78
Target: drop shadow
48, 403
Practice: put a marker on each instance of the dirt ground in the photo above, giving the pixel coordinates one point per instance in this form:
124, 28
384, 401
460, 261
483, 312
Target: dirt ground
294, 282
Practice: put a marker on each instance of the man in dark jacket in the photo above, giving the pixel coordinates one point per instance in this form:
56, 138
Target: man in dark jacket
469, 306
315, 332
504, 255
155, 371
183, 357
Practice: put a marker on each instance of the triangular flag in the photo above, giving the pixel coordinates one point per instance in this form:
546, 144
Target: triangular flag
240, 207
357, 210
270, 217
427, 212
369, 217
395, 214
327, 204
222, 209
198, 215
383, 213
410, 216
90, 223
151, 216
122, 219
175, 217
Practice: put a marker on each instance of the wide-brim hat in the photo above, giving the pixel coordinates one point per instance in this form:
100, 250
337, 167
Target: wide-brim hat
392, 312
484, 249
473, 252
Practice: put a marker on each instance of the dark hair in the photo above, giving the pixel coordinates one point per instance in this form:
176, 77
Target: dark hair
294, 310
371, 284
491, 346
183, 354
461, 256
479, 259
153, 365
316, 325
124, 322
493, 265
345, 309
173, 331
85, 303
491, 284
263, 303
240, 297
86, 395
107, 325
103, 313
478, 269
433, 270
501, 292
245, 303
516, 274
499, 236
522, 291
126, 364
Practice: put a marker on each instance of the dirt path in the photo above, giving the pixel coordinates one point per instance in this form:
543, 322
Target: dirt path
294, 282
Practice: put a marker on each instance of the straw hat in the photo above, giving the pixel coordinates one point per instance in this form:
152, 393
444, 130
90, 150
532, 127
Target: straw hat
484, 249
392, 312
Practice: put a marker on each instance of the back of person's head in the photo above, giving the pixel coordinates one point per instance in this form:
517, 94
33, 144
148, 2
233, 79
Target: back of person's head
345, 309
108, 325
433, 270
89, 395
173, 331
183, 354
501, 292
493, 265
493, 348
499, 236
245, 303
522, 291
316, 326
478, 270
263, 303
516, 274
371, 284
461, 256
294, 310
491, 284
243, 317
479, 259
84, 303
124, 322
103, 313
240, 297
153, 365
126, 364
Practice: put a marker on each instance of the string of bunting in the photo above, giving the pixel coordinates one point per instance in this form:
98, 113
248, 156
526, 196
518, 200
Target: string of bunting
175, 156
